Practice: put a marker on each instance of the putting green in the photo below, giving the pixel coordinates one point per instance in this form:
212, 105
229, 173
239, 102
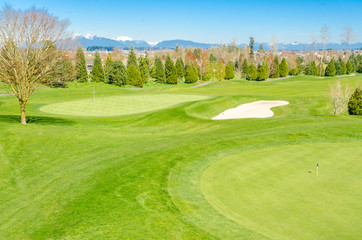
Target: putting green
275, 191
119, 105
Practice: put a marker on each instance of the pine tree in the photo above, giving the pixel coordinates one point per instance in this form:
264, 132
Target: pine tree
252, 72
283, 68
349, 67
245, 67
359, 69
191, 75
62, 73
212, 58
160, 72
107, 66
229, 72
338, 68
80, 66
261, 48
143, 68
179, 69
330, 69
97, 74
132, 58
134, 76
170, 71
117, 73
343, 67
355, 103
263, 71
251, 45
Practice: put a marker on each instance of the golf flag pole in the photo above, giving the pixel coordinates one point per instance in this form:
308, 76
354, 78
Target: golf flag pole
317, 168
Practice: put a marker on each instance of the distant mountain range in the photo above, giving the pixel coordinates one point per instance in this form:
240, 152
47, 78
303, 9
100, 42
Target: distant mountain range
94, 41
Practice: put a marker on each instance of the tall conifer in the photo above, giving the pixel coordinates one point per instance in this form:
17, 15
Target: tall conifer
81, 73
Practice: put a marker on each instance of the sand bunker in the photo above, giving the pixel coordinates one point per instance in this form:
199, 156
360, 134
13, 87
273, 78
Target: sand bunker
258, 109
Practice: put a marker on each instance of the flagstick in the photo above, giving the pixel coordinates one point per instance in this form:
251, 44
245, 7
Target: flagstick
317, 168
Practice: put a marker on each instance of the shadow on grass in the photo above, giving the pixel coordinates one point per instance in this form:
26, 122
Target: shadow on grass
36, 120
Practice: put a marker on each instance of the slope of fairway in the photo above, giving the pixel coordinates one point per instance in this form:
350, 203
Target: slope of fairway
275, 191
118, 105
145, 176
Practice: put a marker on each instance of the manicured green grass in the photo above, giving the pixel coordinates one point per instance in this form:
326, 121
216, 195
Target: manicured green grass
162, 174
275, 191
118, 105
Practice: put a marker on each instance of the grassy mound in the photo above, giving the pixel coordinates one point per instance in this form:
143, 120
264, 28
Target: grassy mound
118, 105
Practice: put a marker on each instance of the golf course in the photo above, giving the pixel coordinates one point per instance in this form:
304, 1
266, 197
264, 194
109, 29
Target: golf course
98, 161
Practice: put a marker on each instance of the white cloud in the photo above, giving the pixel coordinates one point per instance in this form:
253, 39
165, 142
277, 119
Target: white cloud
123, 38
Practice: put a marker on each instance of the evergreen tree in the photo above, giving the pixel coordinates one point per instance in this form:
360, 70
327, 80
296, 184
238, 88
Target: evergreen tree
107, 66
97, 74
349, 67
117, 73
134, 76
261, 48
132, 58
245, 67
170, 71
274, 68
220, 71
353, 59
355, 103
338, 68
179, 69
148, 63
300, 64
359, 69
191, 75
343, 67
330, 69
251, 45
229, 71
212, 58
283, 68
80, 66
143, 67
62, 73
263, 71
160, 72
252, 72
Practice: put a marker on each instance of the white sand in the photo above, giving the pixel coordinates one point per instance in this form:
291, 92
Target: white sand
258, 109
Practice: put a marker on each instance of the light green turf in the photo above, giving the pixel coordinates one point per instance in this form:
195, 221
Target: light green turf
275, 191
118, 105
141, 176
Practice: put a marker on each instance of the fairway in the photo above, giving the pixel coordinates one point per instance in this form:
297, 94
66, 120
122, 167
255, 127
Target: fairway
275, 191
118, 105
174, 173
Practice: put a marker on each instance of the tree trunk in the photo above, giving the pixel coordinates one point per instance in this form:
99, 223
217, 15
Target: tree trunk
22, 110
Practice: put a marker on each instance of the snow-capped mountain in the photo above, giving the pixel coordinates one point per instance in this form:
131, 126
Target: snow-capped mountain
90, 40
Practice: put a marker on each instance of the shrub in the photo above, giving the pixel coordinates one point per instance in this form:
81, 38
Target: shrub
294, 72
229, 72
349, 67
355, 103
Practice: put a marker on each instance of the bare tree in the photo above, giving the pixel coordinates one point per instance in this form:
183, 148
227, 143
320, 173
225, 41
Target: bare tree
325, 37
32, 43
274, 45
339, 96
314, 40
348, 36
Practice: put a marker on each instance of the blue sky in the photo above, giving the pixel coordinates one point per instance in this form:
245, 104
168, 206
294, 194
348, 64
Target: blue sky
205, 21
